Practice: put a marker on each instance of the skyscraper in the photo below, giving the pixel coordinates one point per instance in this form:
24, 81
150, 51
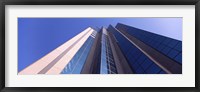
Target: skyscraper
114, 50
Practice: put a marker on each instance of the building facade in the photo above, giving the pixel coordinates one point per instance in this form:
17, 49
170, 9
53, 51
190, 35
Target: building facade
114, 50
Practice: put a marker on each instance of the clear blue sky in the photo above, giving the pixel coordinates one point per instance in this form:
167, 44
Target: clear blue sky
39, 36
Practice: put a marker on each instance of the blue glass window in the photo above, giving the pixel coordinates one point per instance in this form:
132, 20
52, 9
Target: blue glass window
146, 64
179, 58
162, 72
173, 53
153, 69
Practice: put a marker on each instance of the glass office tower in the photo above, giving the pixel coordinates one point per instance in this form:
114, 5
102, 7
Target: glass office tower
114, 50
148, 53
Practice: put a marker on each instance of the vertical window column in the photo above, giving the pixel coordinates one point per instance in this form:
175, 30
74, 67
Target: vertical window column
107, 61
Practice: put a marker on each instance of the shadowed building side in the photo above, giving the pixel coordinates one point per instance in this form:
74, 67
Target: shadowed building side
91, 63
121, 63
